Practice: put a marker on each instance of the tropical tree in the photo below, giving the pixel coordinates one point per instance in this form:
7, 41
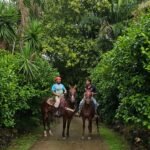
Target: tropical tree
70, 33
8, 20
27, 62
123, 76
121, 9
33, 35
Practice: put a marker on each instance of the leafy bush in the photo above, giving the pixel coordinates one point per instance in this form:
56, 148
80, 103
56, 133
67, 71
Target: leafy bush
135, 110
18, 95
123, 76
11, 93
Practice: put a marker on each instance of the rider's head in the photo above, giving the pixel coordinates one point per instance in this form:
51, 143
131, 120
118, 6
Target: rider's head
88, 94
88, 81
58, 79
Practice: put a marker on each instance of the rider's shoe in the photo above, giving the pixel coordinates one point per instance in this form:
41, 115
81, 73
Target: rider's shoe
77, 114
58, 113
96, 115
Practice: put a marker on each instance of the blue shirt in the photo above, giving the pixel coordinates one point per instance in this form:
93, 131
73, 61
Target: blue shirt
58, 88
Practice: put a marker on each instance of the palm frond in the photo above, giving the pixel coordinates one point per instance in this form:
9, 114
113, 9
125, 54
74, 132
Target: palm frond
28, 63
32, 35
8, 19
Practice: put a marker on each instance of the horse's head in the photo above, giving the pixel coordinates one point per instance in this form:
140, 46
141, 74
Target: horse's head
88, 96
72, 93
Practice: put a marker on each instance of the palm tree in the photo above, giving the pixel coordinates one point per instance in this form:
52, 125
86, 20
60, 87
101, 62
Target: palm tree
36, 8
120, 9
8, 19
28, 62
28, 9
32, 35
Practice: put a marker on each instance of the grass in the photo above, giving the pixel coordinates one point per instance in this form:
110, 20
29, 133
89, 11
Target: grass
25, 141
113, 139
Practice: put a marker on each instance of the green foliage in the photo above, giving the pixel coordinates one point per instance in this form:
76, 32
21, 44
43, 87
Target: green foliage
135, 109
12, 97
18, 95
121, 9
76, 34
103, 79
114, 140
26, 77
123, 76
32, 35
27, 62
8, 19
26, 141
70, 36
73, 34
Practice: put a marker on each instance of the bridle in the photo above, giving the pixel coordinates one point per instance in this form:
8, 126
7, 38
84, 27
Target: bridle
72, 94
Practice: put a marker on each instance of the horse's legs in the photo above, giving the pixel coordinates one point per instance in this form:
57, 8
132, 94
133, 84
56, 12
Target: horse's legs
64, 126
68, 126
48, 123
90, 127
44, 123
83, 131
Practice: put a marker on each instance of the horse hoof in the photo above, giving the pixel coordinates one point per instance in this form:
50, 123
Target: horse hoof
89, 138
50, 133
82, 137
64, 138
45, 134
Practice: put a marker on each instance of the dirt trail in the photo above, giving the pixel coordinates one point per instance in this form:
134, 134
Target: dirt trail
74, 142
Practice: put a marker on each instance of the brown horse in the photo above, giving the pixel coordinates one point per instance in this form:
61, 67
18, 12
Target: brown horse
69, 111
87, 113
67, 107
47, 114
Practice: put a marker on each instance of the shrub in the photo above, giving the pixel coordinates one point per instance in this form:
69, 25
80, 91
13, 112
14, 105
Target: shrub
19, 96
123, 76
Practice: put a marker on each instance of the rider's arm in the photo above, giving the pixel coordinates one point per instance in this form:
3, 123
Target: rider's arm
64, 89
53, 91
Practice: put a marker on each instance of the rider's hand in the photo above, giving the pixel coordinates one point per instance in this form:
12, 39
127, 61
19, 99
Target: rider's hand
58, 95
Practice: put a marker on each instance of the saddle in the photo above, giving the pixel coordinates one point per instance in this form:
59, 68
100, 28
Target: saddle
50, 101
63, 104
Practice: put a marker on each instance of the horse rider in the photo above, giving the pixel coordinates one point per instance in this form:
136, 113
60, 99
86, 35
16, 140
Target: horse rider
90, 87
58, 90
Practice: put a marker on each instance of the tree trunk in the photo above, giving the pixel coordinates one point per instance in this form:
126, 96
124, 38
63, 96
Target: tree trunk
24, 12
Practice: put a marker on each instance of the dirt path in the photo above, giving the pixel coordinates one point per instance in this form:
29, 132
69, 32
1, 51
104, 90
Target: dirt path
74, 142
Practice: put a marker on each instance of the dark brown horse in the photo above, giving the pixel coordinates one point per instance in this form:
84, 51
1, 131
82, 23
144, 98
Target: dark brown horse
67, 108
87, 113
69, 111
